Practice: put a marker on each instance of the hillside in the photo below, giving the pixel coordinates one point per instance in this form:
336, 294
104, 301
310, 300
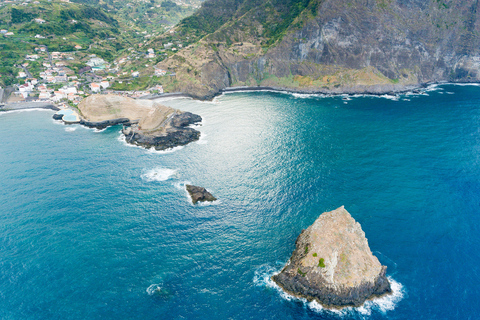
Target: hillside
108, 29
324, 45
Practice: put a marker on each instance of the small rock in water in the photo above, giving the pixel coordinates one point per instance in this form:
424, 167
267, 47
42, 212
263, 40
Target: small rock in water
332, 264
199, 194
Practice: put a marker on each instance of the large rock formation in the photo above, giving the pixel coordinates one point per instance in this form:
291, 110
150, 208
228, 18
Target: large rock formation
332, 264
146, 123
331, 46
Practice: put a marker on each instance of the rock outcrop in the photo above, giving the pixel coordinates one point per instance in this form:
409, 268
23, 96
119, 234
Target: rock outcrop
199, 194
332, 264
145, 122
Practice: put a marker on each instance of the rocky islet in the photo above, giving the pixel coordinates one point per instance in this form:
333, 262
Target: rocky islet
332, 264
199, 194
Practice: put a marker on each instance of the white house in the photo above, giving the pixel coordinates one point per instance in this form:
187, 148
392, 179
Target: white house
44, 95
95, 87
40, 21
160, 72
95, 62
105, 84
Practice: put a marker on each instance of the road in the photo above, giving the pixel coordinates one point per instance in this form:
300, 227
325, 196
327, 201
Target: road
29, 75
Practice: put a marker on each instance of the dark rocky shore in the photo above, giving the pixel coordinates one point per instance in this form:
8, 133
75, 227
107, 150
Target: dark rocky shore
332, 264
176, 133
106, 123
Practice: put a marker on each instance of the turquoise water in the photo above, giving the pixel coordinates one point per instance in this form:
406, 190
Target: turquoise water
93, 229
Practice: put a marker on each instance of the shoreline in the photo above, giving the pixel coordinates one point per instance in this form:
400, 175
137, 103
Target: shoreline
27, 106
405, 89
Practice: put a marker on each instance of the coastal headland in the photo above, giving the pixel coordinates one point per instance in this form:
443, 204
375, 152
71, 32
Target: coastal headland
145, 123
332, 264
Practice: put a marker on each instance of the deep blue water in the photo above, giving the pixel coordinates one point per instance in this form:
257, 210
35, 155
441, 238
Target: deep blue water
88, 224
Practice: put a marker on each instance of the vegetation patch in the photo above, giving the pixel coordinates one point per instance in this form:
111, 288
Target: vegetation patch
321, 263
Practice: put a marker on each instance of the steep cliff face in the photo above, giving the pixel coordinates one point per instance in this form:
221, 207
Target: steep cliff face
332, 263
335, 46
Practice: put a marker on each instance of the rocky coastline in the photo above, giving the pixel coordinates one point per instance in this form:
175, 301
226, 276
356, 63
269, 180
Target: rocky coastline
333, 265
379, 90
176, 134
145, 123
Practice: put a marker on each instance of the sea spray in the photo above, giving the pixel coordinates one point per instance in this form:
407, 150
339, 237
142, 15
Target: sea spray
158, 174
263, 278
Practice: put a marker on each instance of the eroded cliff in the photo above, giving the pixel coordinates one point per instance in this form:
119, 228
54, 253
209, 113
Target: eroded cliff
333, 46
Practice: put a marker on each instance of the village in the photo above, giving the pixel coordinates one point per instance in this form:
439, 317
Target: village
58, 83
50, 74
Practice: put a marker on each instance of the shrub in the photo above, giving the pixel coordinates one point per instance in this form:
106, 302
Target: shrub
321, 263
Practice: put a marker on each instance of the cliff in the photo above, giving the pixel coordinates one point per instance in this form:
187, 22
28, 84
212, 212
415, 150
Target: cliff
146, 123
330, 46
332, 263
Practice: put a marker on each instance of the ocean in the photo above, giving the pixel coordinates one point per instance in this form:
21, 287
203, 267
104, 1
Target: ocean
92, 228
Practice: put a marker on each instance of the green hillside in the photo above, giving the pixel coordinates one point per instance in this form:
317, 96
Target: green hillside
105, 28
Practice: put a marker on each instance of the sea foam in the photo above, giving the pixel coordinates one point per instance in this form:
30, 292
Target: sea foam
70, 129
154, 288
263, 278
158, 174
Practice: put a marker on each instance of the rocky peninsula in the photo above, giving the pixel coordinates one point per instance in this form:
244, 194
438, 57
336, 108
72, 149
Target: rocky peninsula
145, 122
332, 264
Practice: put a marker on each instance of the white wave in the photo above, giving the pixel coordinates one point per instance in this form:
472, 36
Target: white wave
202, 139
158, 174
181, 185
389, 97
99, 130
70, 129
166, 151
208, 203
308, 95
154, 288
263, 275
463, 84
433, 87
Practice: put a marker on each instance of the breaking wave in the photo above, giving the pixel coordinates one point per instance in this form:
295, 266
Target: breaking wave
158, 174
154, 288
264, 273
